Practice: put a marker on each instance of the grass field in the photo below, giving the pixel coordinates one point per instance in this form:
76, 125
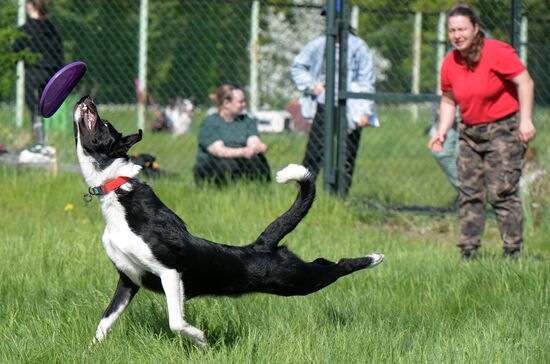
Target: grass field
423, 304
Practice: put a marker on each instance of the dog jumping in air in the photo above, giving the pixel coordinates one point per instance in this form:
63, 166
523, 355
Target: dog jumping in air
151, 248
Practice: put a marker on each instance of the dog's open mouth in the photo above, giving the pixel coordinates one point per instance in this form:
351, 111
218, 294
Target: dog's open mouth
88, 116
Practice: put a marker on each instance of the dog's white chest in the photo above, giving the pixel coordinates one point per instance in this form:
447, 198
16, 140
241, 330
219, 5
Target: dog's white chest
128, 252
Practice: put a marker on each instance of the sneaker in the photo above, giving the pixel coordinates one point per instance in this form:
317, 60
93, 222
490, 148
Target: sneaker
42, 149
468, 254
38, 154
513, 254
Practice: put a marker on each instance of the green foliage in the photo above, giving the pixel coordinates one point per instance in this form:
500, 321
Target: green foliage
8, 35
91, 33
196, 45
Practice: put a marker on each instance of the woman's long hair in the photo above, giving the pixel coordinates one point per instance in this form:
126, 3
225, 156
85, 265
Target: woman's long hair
473, 54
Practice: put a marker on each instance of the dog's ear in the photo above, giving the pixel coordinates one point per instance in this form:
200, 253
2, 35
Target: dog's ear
128, 141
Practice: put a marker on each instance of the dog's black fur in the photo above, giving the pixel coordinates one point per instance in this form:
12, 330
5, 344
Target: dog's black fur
151, 247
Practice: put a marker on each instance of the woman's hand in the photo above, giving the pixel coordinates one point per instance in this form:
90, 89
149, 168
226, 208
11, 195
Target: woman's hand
319, 88
247, 152
256, 144
260, 148
526, 91
364, 121
527, 131
436, 142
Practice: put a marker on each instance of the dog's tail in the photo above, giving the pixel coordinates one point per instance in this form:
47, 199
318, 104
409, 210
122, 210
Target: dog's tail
285, 223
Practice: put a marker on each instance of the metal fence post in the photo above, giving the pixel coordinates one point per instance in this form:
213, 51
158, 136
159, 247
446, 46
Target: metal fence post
417, 44
341, 119
516, 20
253, 49
328, 157
354, 22
142, 59
440, 49
20, 70
523, 40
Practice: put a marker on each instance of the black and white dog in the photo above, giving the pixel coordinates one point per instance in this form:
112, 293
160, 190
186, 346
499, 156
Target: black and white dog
151, 247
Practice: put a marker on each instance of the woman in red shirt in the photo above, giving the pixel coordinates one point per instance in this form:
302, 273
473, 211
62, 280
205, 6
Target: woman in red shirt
486, 78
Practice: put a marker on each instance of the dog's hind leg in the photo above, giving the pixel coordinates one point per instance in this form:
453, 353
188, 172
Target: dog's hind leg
307, 278
350, 265
125, 291
174, 291
343, 267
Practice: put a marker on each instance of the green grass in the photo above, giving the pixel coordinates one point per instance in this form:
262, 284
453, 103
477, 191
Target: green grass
423, 304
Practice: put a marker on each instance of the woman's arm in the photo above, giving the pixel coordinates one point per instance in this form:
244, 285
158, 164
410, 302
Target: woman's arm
303, 67
256, 144
447, 110
218, 149
526, 94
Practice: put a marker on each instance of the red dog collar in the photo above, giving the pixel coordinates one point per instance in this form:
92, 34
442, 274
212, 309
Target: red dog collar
106, 188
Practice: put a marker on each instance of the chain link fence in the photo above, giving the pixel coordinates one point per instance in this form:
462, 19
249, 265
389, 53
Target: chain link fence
169, 56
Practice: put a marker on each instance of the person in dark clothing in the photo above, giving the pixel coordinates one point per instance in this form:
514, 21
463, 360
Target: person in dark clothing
43, 39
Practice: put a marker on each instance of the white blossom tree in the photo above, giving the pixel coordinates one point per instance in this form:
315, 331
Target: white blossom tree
282, 38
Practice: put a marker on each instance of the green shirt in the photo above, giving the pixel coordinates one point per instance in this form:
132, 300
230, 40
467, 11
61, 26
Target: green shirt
233, 134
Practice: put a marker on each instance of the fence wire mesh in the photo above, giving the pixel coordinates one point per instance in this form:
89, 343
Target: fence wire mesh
195, 46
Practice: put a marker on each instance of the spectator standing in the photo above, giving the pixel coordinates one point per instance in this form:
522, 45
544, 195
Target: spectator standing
43, 39
308, 73
448, 156
495, 92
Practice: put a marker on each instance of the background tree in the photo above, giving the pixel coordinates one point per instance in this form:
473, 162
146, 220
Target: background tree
196, 45
8, 35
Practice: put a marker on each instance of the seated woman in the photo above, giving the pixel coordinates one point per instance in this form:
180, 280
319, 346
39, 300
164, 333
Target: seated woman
229, 145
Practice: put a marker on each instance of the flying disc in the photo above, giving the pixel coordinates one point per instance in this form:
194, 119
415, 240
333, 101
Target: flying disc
60, 86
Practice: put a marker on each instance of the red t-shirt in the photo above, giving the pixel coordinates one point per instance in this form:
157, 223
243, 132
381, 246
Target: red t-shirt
486, 93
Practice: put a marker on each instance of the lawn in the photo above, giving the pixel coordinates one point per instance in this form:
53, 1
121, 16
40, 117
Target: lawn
423, 304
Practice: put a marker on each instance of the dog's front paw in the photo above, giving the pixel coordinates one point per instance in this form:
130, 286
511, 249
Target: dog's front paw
202, 343
194, 334
95, 342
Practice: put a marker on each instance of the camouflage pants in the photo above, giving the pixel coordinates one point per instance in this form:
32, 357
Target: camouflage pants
489, 166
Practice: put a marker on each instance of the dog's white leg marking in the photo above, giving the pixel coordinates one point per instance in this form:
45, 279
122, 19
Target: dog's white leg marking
107, 323
173, 289
124, 293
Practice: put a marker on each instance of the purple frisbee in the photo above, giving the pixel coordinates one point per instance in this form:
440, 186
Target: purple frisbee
60, 86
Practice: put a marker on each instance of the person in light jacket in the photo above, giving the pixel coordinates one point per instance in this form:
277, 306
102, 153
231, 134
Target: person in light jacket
308, 74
